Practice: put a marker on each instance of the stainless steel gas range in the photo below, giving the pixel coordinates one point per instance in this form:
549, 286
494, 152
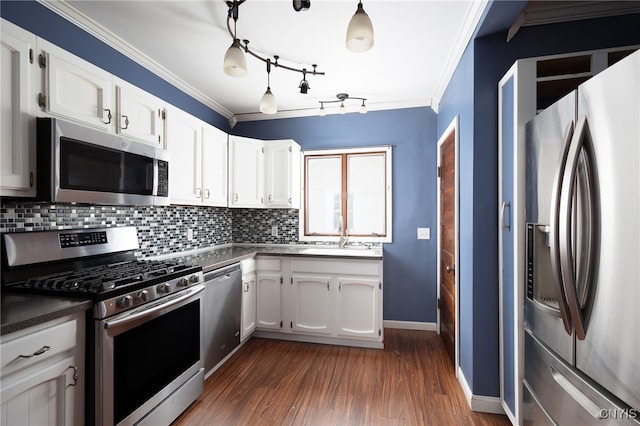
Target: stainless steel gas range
145, 357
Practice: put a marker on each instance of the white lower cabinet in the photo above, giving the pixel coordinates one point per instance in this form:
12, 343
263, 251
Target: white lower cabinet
249, 280
268, 284
311, 300
42, 374
324, 300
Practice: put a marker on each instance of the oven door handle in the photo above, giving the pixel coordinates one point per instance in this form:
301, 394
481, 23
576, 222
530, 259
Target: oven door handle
183, 295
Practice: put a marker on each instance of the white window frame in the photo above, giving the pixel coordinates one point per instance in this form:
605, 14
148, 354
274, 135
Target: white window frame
388, 196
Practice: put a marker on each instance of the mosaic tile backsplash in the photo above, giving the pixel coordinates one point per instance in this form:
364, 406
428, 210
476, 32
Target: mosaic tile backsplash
161, 229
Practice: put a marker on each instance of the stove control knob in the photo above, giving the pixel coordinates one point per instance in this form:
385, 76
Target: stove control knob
183, 282
193, 279
143, 296
125, 302
164, 288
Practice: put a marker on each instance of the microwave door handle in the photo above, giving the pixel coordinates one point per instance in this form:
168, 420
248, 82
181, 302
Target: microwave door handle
580, 143
151, 177
554, 235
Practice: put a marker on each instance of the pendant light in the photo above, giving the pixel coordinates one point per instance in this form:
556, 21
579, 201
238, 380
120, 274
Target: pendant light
360, 31
268, 103
235, 64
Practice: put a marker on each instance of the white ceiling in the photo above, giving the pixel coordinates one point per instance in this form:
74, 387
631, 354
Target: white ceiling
417, 45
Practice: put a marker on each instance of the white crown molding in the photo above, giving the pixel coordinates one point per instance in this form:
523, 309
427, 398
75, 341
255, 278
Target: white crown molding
464, 37
76, 17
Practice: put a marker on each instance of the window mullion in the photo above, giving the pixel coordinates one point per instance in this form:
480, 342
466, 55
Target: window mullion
344, 209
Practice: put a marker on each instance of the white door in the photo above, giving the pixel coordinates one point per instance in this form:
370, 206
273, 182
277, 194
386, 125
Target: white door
214, 167
359, 307
184, 142
17, 144
268, 301
79, 91
247, 172
312, 304
140, 115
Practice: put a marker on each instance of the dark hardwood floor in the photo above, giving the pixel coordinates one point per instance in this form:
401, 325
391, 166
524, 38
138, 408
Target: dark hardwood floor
272, 382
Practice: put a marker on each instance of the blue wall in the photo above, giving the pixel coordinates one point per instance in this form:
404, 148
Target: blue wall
409, 264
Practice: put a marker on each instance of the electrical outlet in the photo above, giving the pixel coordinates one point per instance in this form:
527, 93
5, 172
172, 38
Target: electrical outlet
274, 231
189, 234
424, 233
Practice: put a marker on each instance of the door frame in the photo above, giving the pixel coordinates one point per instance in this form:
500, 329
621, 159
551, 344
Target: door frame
453, 127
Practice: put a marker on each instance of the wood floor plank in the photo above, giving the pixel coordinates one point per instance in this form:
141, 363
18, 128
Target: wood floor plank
275, 382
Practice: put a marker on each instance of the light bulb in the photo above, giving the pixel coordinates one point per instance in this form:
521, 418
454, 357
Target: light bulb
342, 110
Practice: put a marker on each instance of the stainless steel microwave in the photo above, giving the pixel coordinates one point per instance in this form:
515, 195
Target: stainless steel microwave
77, 164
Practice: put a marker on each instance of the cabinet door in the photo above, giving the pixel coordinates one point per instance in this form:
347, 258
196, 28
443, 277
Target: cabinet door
268, 301
248, 305
247, 172
140, 115
312, 304
46, 397
184, 142
358, 307
79, 91
214, 167
282, 174
17, 143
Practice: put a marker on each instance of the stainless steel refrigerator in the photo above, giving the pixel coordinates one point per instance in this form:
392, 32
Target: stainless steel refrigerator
582, 295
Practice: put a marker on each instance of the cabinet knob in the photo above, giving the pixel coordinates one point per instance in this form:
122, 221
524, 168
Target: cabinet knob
450, 269
207, 194
198, 193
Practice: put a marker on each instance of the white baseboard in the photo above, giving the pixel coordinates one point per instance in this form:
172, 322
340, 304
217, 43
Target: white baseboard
410, 325
479, 403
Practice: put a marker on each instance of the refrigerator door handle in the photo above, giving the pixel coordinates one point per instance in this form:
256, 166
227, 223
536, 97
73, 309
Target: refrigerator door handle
554, 232
581, 153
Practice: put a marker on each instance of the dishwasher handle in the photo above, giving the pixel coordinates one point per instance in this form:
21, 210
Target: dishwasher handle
221, 273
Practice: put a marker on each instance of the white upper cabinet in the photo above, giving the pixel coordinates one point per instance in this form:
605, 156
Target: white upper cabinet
198, 164
140, 115
214, 166
18, 76
246, 182
282, 174
78, 91
184, 142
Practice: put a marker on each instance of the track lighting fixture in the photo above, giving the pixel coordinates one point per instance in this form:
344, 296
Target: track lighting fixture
341, 98
360, 31
235, 64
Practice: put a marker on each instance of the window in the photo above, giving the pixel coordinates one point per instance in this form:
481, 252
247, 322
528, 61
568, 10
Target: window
347, 192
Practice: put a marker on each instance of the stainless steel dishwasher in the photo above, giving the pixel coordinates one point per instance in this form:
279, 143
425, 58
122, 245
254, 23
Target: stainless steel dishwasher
222, 313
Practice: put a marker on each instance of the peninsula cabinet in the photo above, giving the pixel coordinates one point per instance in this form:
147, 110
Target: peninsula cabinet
320, 299
249, 280
18, 75
198, 165
42, 374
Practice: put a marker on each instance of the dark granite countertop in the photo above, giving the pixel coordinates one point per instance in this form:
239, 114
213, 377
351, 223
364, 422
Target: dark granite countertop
22, 310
